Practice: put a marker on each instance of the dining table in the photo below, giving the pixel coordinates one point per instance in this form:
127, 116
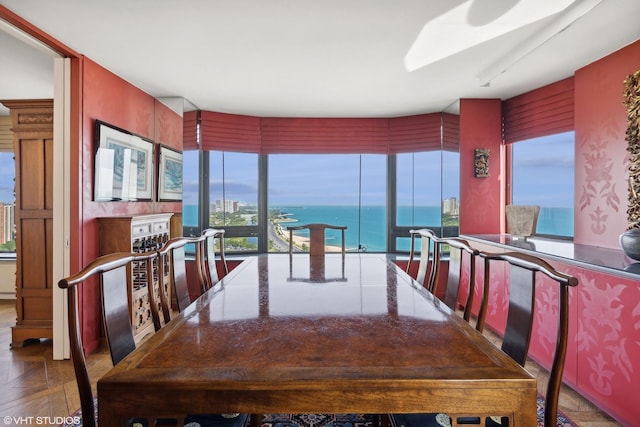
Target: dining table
324, 334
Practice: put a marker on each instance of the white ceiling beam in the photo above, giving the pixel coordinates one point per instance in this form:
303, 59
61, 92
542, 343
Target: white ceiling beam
560, 23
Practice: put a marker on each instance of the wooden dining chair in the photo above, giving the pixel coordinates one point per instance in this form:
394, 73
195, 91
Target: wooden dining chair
522, 287
429, 264
316, 237
172, 256
208, 267
111, 273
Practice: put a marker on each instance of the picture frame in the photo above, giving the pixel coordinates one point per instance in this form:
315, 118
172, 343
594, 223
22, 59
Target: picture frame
124, 165
169, 174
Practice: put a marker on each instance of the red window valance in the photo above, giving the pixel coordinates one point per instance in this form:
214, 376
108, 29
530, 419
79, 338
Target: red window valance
541, 112
229, 132
415, 133
324, 136
272, 135
190, 130
450, 132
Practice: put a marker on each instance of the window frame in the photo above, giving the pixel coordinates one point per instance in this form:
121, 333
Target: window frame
510, 184
260, 231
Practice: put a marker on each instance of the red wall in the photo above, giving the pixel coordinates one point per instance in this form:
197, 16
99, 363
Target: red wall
601, 157
109, 98
481, 199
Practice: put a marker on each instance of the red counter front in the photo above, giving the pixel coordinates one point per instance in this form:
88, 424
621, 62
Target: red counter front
603, 354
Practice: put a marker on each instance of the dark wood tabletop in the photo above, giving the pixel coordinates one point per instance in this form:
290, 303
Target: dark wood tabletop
336, 335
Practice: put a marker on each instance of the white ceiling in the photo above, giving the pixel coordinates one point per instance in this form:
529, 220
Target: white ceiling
313, 58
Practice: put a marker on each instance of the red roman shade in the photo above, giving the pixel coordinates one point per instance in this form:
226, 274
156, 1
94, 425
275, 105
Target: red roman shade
415, 133
324, 136
229, 132
450, 132
190, 130
541, 112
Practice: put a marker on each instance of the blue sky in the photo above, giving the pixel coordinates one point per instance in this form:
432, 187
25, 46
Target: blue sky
326, 179
543, 171
543, 175
322, 179
7, 174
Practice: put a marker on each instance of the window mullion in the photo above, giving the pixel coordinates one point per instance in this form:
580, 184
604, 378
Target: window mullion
204, 191
263, 203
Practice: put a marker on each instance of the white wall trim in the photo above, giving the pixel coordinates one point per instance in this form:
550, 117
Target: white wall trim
61, 202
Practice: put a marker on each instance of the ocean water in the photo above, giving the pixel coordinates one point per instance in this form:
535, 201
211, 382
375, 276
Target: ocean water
372, 219
557, 221
368, 227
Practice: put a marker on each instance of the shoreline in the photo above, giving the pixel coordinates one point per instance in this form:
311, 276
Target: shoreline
299, 242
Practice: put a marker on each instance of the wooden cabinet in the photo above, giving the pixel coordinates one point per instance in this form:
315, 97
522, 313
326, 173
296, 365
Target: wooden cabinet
32, 127
139, 233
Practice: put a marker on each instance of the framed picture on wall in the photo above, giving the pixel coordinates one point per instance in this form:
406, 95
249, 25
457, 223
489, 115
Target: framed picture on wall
124, 165
169, 174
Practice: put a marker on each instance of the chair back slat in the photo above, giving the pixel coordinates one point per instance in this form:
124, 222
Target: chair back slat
428, 266
517, 335
316, 237
425, 260
164, 285
453, 278
156, 291
457, 248
208, 268
210, 258
174, 253
115, 309
179, 273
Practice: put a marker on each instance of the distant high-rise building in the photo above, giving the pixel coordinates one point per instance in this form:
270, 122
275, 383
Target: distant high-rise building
227, 206
450, 206
3, 238
11, 221
6, 223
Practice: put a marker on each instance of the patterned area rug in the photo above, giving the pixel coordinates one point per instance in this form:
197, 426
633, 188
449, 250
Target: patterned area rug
316, 420
563, 420
354, 420
331, 420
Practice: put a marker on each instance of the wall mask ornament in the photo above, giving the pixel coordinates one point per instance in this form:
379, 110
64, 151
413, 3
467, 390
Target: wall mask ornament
630, 239
481, 163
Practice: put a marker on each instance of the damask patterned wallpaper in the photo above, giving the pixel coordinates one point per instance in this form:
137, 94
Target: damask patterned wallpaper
601, 158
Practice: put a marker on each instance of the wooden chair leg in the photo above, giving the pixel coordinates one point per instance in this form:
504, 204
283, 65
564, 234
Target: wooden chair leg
255, 420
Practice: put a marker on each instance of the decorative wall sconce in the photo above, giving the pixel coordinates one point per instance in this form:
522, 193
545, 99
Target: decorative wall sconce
481, 163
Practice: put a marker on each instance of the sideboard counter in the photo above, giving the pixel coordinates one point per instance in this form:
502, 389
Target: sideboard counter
606, 260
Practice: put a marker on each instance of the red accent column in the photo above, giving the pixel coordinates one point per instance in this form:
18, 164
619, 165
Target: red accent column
481, 199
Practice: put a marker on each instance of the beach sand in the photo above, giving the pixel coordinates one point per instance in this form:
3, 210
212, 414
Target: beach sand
298, 241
